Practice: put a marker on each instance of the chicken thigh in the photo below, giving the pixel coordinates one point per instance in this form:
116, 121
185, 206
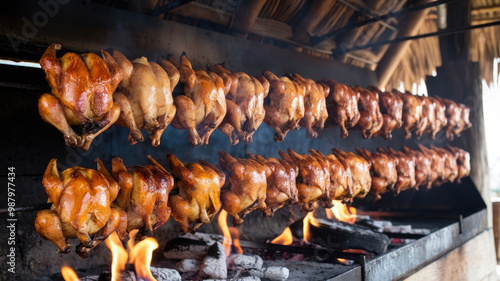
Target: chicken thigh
145, 97
383, 172
82, 94
198, 198
342, 104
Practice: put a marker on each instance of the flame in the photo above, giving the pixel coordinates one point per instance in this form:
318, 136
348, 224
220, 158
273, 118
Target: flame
352, 251
119, 254
341, 212
69, 274
307, 236
141, 255
235, 235
285, 238
222, 220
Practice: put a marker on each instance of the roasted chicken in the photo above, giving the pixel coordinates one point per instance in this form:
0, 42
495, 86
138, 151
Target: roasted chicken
145, 97
371, 119
81, 207
440, 121
285, 104
405, 168
315, 112
245, 104
343, 105
412, 114
198, 200
450, 164
313, 178
428, 119
281, 183
360, 171
437, 163
391, 107
203, 106
457, 116
423, 167
143, 194
383, 172
463, 161
247, 186
82, 94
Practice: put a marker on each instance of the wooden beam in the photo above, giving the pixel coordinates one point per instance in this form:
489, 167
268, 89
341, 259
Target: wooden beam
395, 53
485, 10
245, 16
316, 11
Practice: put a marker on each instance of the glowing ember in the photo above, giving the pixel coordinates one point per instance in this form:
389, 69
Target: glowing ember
69, 274
235, 235
285, 238
307, 236
352, 251
119, 254
141, 255
340, 212
222, 220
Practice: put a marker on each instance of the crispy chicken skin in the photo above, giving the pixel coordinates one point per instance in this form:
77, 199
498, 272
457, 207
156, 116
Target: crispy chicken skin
81, 207
440, 121
247, 186
412, 114
245, 104
360, 171
405, 168
391, 107
463, 161
450, 164
313, 178
145, 97
82, 94
437, 162
371, 120
383, 172
281, 183
143, 194
457, 116
198, 200
423, 167
284, 105
203, 106
342, 104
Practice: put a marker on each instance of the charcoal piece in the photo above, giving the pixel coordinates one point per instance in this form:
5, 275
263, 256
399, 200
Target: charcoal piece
271, 273
244, 261
188, 265
125, 275
165, 274
183, 248
214, 264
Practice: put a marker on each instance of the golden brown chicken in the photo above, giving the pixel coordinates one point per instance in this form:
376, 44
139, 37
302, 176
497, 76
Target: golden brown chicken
342, 104
81, 207
371, 119
428, 119
360, 171
315, 113
464, 117
245, 104
203, 107
405, 168
437, 163
284, 106
463, 161
313, 178
450, 164
412, 114
281, 183
440, 121
423, 167
145, 97
248, 186
341, 182
143, 194
457, 116
383, 172
82, 94
198, 200
391, 107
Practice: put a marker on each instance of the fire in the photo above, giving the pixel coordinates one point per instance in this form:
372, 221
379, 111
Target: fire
119, 254
341, 212
230, 234
69, 274
141, 255
307, 236
285, 238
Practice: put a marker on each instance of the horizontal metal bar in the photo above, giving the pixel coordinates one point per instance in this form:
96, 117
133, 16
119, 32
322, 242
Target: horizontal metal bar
27, 208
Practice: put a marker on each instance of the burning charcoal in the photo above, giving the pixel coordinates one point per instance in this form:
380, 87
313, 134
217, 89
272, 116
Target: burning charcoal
244, 261
214, 264
165, 274
272, 272
188, 265
206, 237
183, 248
106, 276
246, 278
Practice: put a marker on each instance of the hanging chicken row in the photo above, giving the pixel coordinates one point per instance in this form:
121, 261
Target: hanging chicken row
91, 204
96, 92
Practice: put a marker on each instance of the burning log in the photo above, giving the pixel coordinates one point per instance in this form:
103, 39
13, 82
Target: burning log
271, 273
188, 265
245, 262
181, 248
214, 264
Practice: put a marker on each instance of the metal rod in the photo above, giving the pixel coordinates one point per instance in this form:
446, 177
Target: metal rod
27, 208
315, 40
338, 52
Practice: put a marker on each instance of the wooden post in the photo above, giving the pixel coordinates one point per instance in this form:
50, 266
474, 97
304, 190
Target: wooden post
245, 16
395, 53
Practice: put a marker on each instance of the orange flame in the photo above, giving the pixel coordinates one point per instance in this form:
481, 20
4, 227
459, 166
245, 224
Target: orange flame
285, 238
307, 236
141, 255
235, 235
222, 220
119, 255
340, 212
69, 274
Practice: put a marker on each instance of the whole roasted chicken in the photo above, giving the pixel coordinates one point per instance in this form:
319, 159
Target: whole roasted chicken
343, 105
245, 104
383, 171
458, 118
143, 194
82, 94
391, 107
198, 200
463, 161
438, 165
428, 116
405, 168
412, 114
313, 178
145, 97
440, 120
248, 186
371, 119
203, 107
360, 171
285, 104
315, 112
450, 164
281, 183
423, 167
341, 182
81, 207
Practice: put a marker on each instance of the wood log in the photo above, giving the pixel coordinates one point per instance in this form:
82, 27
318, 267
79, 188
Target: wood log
246, 278
214, 264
